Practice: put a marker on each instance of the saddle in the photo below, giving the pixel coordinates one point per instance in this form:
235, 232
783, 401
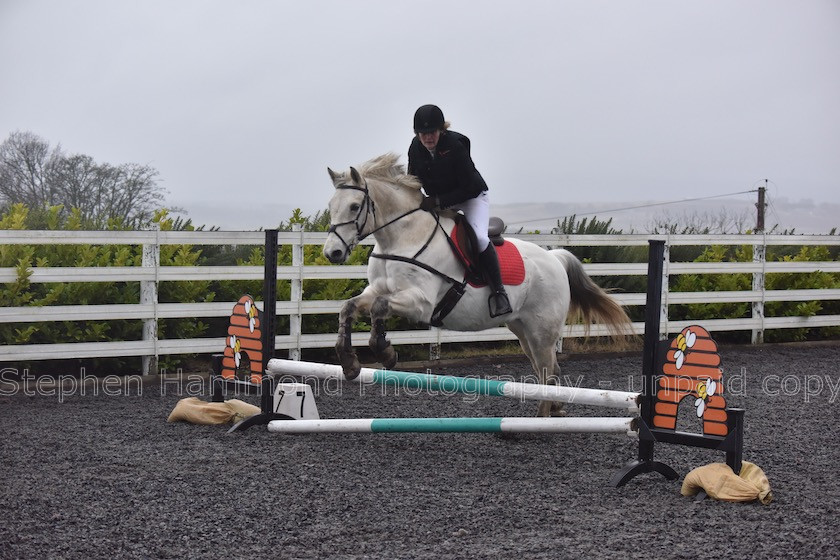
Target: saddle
465, 245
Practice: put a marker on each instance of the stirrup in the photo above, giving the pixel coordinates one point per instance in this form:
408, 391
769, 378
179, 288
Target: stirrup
499, 304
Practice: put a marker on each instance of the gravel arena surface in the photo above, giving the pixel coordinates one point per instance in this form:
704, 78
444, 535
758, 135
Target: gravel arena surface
105, 476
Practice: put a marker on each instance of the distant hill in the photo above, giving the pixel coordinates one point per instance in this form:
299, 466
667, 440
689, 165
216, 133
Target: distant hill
738, 214
729, 215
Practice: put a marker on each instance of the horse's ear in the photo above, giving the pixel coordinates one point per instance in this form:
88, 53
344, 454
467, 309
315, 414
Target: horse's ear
355, 176
333, 175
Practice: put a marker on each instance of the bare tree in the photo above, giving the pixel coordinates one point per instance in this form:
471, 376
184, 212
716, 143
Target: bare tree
136, 195
40, 177
27, 170
725, 220
127, 194
78, 177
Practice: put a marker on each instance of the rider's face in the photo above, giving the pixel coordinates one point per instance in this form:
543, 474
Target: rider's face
429, 139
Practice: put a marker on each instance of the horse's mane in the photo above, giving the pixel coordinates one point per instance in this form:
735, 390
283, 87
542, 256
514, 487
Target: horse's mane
386, 167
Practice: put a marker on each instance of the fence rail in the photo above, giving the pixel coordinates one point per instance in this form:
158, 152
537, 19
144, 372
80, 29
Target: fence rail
149, 310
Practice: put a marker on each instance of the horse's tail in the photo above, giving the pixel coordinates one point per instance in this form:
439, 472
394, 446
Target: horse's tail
591, 302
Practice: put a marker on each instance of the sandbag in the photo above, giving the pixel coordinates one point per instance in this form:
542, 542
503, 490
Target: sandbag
721, 483
196, 411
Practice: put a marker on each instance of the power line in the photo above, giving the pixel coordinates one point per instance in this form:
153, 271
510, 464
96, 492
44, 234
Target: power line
634, 207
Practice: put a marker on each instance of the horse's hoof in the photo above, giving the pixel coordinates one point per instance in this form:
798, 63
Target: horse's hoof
350, 366
558, 410
388, 357
544, 410
352, 372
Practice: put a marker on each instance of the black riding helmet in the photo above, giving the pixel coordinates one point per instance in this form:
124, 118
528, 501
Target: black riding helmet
428, 118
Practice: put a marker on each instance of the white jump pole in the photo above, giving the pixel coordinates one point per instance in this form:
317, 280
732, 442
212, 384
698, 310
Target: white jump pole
454, 384
466, 425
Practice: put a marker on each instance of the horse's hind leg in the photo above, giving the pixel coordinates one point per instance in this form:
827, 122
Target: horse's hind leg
545, 363
541, 352
517, 329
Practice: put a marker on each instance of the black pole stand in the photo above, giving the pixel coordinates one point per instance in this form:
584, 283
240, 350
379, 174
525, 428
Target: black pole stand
653, 357
269, 317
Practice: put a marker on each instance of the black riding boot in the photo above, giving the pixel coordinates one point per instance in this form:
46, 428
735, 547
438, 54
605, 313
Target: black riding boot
498, 301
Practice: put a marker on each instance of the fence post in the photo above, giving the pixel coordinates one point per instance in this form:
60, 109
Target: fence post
663, 306
435, 347
759, 257
296, 294
149, 295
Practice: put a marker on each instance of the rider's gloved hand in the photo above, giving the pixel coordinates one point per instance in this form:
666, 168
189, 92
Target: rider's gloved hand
429, 203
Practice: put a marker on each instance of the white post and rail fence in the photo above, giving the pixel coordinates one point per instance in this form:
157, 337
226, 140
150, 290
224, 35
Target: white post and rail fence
151, 274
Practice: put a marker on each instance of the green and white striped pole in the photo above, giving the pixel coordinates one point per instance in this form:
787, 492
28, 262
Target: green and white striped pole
449, 425
449, 384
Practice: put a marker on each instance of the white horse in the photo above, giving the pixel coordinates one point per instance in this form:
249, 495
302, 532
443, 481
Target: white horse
413, 266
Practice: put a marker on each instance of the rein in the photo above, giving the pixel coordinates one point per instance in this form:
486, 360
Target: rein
413, 260
368, 207
398, 218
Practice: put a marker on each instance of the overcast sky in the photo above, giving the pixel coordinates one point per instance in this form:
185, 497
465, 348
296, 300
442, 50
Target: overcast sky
565, 101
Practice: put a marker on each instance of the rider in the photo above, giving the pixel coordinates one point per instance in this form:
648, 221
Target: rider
440, 158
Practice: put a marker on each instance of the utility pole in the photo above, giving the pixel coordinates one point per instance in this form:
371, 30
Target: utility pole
759, 258
760, 205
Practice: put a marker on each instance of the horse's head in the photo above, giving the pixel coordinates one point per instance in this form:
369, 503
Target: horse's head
350, 208
381, 192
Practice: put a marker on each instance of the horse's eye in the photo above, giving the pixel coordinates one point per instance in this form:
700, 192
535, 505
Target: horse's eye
354, 207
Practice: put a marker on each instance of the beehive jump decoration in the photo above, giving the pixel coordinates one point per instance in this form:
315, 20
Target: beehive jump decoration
244, 337
692, 370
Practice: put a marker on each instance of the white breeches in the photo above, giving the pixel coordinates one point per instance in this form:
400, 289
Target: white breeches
477, 212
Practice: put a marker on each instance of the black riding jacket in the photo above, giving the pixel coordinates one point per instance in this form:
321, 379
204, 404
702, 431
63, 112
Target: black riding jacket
451, 174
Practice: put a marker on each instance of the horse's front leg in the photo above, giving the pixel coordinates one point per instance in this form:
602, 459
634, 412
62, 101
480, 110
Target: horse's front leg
379, 344
344, 346
410, 304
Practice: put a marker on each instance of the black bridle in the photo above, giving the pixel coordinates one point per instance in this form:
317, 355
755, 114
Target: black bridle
366, 207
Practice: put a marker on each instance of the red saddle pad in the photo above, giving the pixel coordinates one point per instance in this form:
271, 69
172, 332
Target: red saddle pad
510, 263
